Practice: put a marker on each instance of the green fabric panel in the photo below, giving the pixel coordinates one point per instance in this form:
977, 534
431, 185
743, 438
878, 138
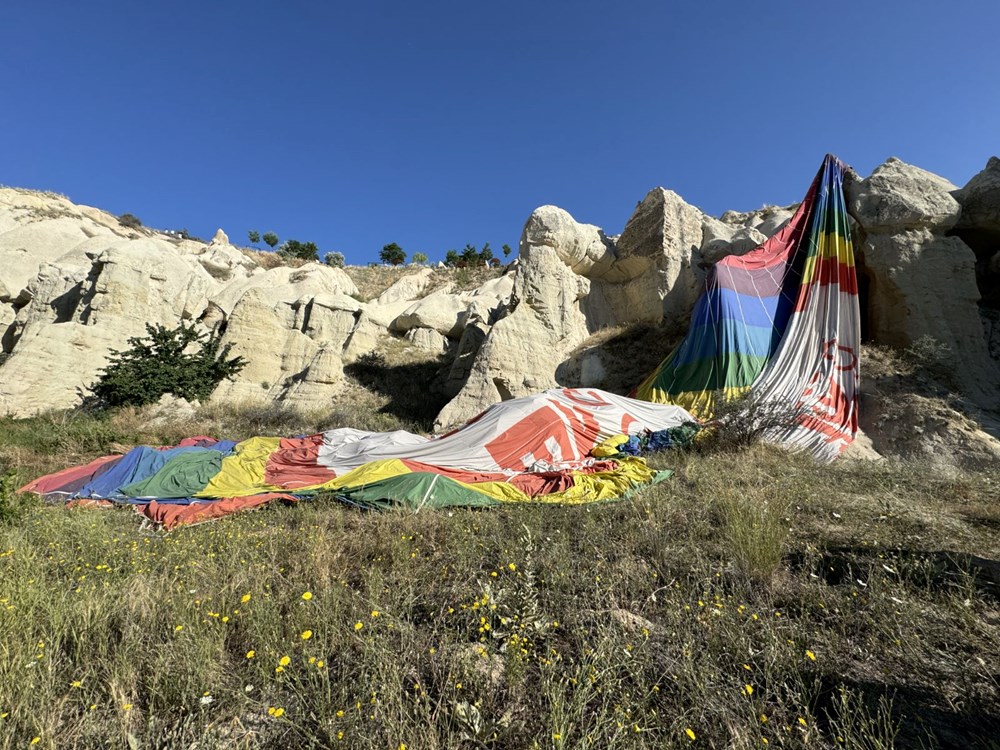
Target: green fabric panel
420, 489
704, 375
181, 476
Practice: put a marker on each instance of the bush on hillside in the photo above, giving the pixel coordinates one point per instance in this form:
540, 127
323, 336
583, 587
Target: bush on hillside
335, 259
179, 361
741, 422
130, 220
299, 250
392, 254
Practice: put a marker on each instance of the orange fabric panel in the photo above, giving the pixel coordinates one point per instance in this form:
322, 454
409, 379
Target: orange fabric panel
170, 516
294, 464
52, 482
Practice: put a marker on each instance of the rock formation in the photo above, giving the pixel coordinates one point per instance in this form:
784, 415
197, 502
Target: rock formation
921, 281
75, 284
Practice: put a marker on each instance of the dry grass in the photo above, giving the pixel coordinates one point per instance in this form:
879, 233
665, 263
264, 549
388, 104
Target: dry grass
373, 280
754, 596
627, 354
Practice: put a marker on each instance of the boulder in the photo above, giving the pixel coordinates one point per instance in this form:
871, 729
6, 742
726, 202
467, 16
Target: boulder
521, 351
78, 313
928, 430
924, 285
465, 356
573, 280
901, 197
980, 200
320, 382
766, 220
286, 284
720, 239
485, 301
293, 327
170, 409
584, 248
407, 288
38, 228
979, 228
658, 259
439, 311
25, 248
364, 338
262, 330
428, 339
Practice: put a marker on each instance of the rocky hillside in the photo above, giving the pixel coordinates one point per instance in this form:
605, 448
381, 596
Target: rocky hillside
75, 284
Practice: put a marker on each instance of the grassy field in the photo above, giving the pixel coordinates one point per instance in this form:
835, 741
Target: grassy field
753, 600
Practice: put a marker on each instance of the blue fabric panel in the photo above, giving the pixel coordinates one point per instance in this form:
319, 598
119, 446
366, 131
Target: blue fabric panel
708, 342
136, 465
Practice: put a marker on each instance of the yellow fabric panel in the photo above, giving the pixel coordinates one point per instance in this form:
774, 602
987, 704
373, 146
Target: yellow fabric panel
242, 473
609, 447
701, 404
373, 471
831, 247
603, 485
506, 493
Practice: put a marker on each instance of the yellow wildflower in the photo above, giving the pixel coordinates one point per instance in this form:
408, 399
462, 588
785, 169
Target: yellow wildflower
810, 655
358, 625
690, 733
748, 689
284, 661
244, 599
307, 596
251, 653
306, 635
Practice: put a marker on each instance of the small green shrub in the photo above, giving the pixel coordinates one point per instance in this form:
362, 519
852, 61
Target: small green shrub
130, 220
392, 254
164, 362
739, 423
299, 250
335, 259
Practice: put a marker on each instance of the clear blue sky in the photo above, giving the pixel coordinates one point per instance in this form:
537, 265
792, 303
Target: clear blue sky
437, 124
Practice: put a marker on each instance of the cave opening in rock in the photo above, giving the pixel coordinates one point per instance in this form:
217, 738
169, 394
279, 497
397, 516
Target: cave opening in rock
865, 283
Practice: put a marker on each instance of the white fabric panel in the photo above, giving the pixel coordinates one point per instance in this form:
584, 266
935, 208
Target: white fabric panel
555, 429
